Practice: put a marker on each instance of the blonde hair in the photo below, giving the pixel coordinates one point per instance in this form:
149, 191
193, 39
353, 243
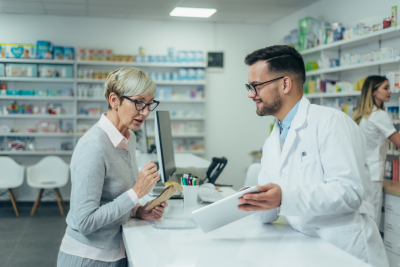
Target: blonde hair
128, 81
367, 101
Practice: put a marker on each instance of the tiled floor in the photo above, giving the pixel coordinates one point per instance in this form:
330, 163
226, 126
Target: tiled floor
30, 241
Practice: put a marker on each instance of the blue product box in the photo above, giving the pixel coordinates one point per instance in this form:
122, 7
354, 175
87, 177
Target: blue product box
21, 70
55, 71
26, 92
1, 70
69, 53
58, 52
12, 92
43, 50
20, 51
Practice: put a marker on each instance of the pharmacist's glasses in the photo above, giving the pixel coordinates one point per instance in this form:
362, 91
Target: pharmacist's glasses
141, 105
252, 87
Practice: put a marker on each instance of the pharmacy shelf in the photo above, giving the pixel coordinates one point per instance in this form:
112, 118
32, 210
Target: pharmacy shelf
38, 134
201, 82
37, 79
195, 135
355, 66
36, 116
45, 98
91, 99
388, 32
36, 153
88, 117
138, 64
181, 100
182, 118
196, 152
326, 95
36, 61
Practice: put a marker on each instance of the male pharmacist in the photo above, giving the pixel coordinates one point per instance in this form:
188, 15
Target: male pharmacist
314, 170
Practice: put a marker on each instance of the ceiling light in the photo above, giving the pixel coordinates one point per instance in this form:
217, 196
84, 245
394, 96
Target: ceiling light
192, 12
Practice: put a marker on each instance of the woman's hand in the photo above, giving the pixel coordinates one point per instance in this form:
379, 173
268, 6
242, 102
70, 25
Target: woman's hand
155, 213
148, 177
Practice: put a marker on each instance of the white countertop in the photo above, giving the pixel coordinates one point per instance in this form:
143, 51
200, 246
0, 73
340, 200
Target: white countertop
181, 160
246, 242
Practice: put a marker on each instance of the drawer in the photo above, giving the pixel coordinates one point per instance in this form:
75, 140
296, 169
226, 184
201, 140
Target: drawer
392, 223
392, 204
392, 242
394, 260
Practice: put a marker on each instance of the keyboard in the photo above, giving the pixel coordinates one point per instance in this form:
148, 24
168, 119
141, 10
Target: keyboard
209, 195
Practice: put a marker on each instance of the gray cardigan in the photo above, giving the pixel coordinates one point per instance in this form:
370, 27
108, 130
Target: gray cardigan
101, 175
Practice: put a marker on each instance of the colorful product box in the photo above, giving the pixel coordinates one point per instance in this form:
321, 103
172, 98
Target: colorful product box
100, 55
58, 52
394, 16
21, 70
44, 50
69, 53
20, 51
55, 71
3, 50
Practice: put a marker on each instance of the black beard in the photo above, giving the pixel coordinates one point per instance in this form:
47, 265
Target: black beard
272, 108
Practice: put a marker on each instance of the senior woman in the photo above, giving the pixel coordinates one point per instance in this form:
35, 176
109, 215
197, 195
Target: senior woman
106, 183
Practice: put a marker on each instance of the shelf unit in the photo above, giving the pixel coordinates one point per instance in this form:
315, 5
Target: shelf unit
77, 101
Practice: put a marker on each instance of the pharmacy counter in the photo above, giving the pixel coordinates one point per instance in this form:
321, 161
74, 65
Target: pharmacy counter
246, 242
391, 187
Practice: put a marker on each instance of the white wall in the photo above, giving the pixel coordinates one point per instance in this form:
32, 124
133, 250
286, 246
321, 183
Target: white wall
232, 127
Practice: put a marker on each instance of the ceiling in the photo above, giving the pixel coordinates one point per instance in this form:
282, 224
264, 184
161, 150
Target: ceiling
229, 11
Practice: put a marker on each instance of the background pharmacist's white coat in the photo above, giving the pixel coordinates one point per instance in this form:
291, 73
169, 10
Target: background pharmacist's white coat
323, 172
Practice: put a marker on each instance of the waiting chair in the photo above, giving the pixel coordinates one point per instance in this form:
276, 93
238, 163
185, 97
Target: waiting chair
252, 174
11, 176
49, 173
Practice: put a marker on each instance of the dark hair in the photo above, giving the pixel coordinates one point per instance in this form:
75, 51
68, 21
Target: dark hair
281, 58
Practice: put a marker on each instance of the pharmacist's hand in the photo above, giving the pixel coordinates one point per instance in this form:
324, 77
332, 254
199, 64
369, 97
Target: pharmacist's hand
155, 213
270, 197
148, 177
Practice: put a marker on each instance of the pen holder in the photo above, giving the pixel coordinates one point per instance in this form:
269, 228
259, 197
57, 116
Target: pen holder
190, 195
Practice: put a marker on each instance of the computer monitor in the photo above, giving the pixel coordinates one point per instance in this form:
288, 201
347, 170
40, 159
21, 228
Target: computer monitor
165, 148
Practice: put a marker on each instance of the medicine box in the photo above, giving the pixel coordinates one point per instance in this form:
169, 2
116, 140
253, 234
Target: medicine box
58, 52
20, 51
2, 50
43, 50
69, 53
21, 70
1, 70
55, 71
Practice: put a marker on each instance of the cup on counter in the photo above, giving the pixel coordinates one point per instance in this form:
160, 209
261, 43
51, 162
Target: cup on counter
190, 193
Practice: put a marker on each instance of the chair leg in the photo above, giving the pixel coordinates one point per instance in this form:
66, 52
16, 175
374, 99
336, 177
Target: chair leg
59, 202
62, 200
13, 202
37, 202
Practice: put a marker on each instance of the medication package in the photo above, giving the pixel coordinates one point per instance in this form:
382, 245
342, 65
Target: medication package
165, 195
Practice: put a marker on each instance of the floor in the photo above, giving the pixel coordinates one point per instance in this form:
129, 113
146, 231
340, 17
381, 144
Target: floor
30, 241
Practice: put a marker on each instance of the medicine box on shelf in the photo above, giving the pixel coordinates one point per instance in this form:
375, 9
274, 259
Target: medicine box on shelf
21, 70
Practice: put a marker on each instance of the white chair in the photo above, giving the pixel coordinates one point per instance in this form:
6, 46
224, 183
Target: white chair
252, 174
49, 173
11, 176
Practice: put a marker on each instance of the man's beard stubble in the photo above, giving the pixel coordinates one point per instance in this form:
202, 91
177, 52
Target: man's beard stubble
272, 107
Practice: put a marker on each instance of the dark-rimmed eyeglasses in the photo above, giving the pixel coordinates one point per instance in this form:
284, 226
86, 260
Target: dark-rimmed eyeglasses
140, 105
252, 87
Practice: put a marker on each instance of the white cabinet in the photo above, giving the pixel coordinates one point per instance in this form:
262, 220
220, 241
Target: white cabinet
392, 229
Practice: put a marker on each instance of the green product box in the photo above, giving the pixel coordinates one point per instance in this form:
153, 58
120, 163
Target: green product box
21, 70
305, 27
394, 16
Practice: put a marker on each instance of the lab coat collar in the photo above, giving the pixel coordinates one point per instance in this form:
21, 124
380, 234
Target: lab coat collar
298, 121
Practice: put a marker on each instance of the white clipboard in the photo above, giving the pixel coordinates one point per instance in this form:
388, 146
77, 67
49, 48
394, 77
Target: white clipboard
222, 212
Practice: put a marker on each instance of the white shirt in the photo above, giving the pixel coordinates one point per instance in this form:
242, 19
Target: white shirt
377, 129
72, 246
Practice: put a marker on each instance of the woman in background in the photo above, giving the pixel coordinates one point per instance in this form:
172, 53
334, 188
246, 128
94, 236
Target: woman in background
378, 128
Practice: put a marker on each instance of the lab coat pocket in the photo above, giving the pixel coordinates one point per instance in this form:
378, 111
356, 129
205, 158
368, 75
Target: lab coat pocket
309, 169
308, 159
349, 238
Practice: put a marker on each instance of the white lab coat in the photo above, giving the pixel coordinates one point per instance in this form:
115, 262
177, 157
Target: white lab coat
323, 172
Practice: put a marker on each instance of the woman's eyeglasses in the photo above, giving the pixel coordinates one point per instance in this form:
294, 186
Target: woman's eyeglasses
140, 105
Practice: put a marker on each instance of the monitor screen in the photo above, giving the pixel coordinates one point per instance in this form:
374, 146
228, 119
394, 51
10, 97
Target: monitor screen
165, 148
